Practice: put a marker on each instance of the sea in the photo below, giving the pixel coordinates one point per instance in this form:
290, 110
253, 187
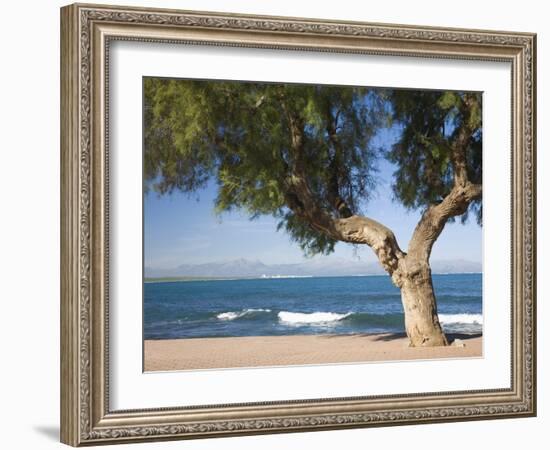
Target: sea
300, 306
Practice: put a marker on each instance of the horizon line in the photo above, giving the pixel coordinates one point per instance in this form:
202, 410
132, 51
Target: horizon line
218, 261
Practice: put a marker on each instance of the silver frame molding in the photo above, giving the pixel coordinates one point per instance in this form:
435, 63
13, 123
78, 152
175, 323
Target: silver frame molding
86, 32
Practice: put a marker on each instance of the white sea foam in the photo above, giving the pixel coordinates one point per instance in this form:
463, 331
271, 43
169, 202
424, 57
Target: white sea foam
232, 315
476, 319
310, 318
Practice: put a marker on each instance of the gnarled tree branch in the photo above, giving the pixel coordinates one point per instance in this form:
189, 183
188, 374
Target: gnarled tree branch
353, 229
435, 217
463, 193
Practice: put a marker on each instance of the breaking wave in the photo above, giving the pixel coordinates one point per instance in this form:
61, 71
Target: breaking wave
391, 321
474, 319
310, 318
232, 315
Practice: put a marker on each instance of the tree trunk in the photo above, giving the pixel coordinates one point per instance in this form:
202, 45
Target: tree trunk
417, 294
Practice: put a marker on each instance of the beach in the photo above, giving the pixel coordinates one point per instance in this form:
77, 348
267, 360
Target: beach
268, 351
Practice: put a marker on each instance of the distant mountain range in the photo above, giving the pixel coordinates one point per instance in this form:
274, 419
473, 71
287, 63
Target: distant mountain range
245, 268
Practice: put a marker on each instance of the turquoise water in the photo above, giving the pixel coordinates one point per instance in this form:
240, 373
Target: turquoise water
289, 306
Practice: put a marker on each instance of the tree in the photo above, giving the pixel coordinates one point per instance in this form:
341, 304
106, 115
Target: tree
304, 154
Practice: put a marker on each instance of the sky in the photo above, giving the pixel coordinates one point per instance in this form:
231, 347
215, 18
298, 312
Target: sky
182, 229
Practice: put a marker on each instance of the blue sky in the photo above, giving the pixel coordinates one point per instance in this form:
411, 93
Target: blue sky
182, 229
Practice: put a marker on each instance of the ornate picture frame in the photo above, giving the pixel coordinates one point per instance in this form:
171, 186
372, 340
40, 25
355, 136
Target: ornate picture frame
87, 31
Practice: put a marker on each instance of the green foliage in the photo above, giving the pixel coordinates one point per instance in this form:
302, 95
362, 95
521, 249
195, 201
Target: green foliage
430, 122
240, 135
177, 149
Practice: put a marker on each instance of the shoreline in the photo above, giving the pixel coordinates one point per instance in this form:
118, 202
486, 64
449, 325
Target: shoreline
269, 351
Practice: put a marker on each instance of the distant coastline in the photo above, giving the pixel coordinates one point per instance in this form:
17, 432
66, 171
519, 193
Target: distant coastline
243, 268
277, 277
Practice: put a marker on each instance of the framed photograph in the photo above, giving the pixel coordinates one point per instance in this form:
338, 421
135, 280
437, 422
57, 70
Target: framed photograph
274, 224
